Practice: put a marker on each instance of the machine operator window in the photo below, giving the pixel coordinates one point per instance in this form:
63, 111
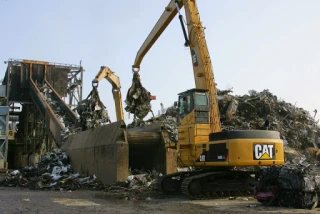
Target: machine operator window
188, 104
200, 99
185, 106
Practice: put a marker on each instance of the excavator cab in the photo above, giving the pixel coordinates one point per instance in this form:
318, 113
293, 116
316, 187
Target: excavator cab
197, 100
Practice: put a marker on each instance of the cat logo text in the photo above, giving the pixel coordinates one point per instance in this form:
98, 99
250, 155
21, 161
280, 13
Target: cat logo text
263, 151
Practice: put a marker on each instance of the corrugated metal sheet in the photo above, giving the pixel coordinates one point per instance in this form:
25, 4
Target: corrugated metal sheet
38, 73
58, 79
17, 92
50, 74
61, 81
25, 76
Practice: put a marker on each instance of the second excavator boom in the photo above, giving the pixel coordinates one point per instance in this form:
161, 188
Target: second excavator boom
106, 73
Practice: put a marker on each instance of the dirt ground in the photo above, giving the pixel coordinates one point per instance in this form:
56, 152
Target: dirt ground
18, 200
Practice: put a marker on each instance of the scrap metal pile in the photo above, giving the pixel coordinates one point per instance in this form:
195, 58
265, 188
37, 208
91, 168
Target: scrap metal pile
140, 185
138, 99
169, 121
291, 185
68, 126
297, 183
257, 110
53, 172
263, 110
92, 111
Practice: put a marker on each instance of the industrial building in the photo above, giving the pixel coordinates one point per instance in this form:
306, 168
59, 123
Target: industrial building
28, 125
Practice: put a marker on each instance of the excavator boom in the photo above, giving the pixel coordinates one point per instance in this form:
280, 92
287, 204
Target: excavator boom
165, 19
114, 80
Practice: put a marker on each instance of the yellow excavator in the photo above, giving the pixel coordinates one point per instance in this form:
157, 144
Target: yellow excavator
201, 142
105, 72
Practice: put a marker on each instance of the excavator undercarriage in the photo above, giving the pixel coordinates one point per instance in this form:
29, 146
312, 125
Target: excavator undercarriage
204, 184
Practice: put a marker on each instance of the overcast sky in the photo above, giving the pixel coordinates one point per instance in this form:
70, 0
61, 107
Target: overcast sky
253, 44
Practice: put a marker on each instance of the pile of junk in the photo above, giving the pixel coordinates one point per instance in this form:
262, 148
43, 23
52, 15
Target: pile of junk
92, 111
55, 172
52, 172
295, 184
69, 127
290, 185
254, 111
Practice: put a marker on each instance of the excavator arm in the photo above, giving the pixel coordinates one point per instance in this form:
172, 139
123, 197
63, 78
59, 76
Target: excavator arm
114, 80
165, 19
195, 39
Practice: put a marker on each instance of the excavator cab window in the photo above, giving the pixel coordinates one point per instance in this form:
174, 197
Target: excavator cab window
184, 105
200, 99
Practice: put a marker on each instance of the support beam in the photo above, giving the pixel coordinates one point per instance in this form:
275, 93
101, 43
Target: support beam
143, 138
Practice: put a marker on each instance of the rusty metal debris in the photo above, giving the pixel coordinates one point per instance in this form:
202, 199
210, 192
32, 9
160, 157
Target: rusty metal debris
263, 110
138, 99
68, 125
257, 110
140, 185
169, 125
291, 185
141, 179
92, 111
169, 120
53, 172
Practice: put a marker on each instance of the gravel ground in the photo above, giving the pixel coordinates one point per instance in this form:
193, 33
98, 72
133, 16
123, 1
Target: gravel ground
18, 200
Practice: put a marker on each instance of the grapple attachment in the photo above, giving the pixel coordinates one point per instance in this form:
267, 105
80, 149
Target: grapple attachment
138, 98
